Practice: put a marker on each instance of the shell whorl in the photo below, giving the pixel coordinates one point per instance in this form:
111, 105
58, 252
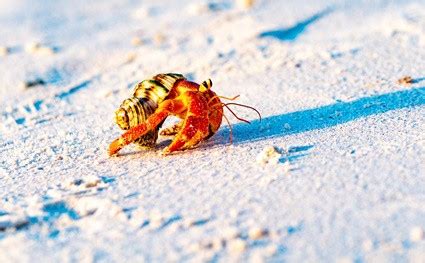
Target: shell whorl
147, 95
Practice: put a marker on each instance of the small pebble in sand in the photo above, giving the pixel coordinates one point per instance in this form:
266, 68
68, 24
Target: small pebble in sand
70, 183
416, 234
230, 233
136, 41
257, 233
245, 3
158, 38
64, 221
237, 246
214, 244
87, 206
12, 221
37, 48
190, 222
32, 47
270, 250
156, 219
269, 155
205, 244
45, 51
33, 83
4, 51
91, 181
130, 57
405, 81
218, 243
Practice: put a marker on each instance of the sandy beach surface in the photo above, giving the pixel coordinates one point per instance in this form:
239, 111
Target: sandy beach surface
334, 171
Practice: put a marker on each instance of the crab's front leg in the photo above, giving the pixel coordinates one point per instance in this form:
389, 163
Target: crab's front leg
195, 124
165, 108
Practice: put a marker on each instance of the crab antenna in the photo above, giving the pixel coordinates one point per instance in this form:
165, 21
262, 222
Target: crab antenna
222, 97
230, 129
234, 114
230, 126
242, 105
228, 98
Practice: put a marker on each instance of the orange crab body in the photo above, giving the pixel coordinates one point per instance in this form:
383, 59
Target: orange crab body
199, 108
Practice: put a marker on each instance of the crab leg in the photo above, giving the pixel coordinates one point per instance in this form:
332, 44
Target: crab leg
166, 108
195, 124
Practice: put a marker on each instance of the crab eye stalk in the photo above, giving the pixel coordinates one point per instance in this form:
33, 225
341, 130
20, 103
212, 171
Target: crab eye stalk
206, 85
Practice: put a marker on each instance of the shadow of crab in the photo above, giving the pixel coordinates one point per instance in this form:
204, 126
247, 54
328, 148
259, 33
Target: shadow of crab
319, 118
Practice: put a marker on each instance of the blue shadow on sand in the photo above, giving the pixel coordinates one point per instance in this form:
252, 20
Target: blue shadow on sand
73, 89
292, 33
323, 117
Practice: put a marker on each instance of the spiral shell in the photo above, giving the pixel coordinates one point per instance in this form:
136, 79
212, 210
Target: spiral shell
147, 95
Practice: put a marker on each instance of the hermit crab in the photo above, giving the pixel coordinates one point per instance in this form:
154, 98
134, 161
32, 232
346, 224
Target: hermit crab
199, 108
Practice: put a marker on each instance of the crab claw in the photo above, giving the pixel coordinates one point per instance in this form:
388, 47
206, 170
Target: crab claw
115, 147
134, 133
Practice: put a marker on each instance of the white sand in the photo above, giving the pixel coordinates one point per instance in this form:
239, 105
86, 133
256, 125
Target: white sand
349, 183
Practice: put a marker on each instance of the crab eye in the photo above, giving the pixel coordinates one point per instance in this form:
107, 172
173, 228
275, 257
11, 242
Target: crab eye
206, 85
121, 118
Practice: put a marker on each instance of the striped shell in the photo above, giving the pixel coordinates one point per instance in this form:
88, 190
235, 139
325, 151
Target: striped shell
147, 95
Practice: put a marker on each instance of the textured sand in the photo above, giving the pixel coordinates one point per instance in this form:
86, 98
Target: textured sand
345, 181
